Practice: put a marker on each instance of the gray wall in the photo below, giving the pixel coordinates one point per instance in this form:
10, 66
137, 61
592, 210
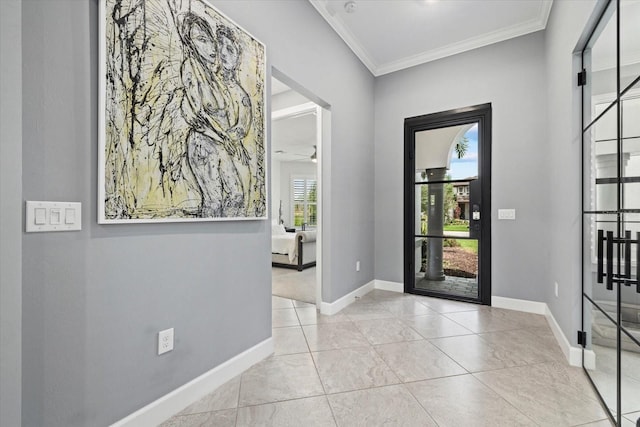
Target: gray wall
94, 300
511, 76
566, 24
302, 46
11, 212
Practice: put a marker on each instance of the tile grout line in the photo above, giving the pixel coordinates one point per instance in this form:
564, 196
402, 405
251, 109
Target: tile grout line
501, 397
420, 404
370, 345
315, 365
312, 358
238, 399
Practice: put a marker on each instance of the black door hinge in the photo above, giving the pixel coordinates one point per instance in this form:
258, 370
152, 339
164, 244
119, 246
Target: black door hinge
582, 338
582, 78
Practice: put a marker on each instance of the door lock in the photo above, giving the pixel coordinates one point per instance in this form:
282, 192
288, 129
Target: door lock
475, 215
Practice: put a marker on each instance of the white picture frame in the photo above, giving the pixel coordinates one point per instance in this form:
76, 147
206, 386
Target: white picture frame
182, 115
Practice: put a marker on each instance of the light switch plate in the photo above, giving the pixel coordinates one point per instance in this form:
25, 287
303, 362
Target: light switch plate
40, 216
53, 216
507, 214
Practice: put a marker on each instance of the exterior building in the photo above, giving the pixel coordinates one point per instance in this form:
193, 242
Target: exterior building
461, 191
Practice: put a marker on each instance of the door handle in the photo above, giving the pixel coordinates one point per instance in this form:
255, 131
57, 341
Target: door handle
622, 277
600, 255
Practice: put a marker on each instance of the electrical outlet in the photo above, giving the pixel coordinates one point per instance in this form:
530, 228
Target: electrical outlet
165, 341
556, 290
357, 265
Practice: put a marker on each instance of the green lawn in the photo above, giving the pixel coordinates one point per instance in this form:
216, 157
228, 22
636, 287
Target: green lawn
456, 227
470, 245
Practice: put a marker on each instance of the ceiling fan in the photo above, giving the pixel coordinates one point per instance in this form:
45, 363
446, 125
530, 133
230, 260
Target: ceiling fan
298, 156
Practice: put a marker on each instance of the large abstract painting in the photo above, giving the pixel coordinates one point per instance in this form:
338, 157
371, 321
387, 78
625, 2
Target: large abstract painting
182, 121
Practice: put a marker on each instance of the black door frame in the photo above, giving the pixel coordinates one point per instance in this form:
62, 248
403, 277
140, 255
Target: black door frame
480, 114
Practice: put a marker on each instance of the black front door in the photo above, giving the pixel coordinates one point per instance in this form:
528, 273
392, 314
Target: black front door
447, 238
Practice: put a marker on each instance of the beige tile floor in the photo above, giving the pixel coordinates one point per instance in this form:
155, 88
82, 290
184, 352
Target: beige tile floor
395, 359
294, 284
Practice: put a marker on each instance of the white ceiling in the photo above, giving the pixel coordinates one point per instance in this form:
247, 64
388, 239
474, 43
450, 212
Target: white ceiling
293, 138
390, 35
278, 87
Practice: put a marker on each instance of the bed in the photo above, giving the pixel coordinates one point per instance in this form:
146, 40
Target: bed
292, 250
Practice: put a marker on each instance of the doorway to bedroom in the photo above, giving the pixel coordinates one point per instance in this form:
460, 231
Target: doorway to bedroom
296, 141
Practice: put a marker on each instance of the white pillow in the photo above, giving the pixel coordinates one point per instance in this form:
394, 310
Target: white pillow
277, 229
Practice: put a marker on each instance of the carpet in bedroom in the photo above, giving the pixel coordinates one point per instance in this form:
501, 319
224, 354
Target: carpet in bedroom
294, 284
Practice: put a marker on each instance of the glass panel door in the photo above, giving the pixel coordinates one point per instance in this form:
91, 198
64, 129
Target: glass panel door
611, 210
444, 207
446, 248
630, 230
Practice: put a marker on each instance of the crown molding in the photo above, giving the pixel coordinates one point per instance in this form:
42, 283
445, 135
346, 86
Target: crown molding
460, 47
345, 34
377, 69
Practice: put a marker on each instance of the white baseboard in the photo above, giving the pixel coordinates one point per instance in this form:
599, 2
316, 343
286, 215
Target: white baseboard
589, 359
331, 308
389, 286
168, 405
534, 307
571, 353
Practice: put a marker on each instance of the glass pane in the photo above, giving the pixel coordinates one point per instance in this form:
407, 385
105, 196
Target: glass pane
298, 214
629, 42
588, 171
630, 321
449, 153
443, 209
436, 208
464, 158
630, 370
298, 190
447, 266
594, 286
312, 214
631, 194
461, 208
601, 64
600, 353
311, 190
601, 155
631, 148
632, 225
